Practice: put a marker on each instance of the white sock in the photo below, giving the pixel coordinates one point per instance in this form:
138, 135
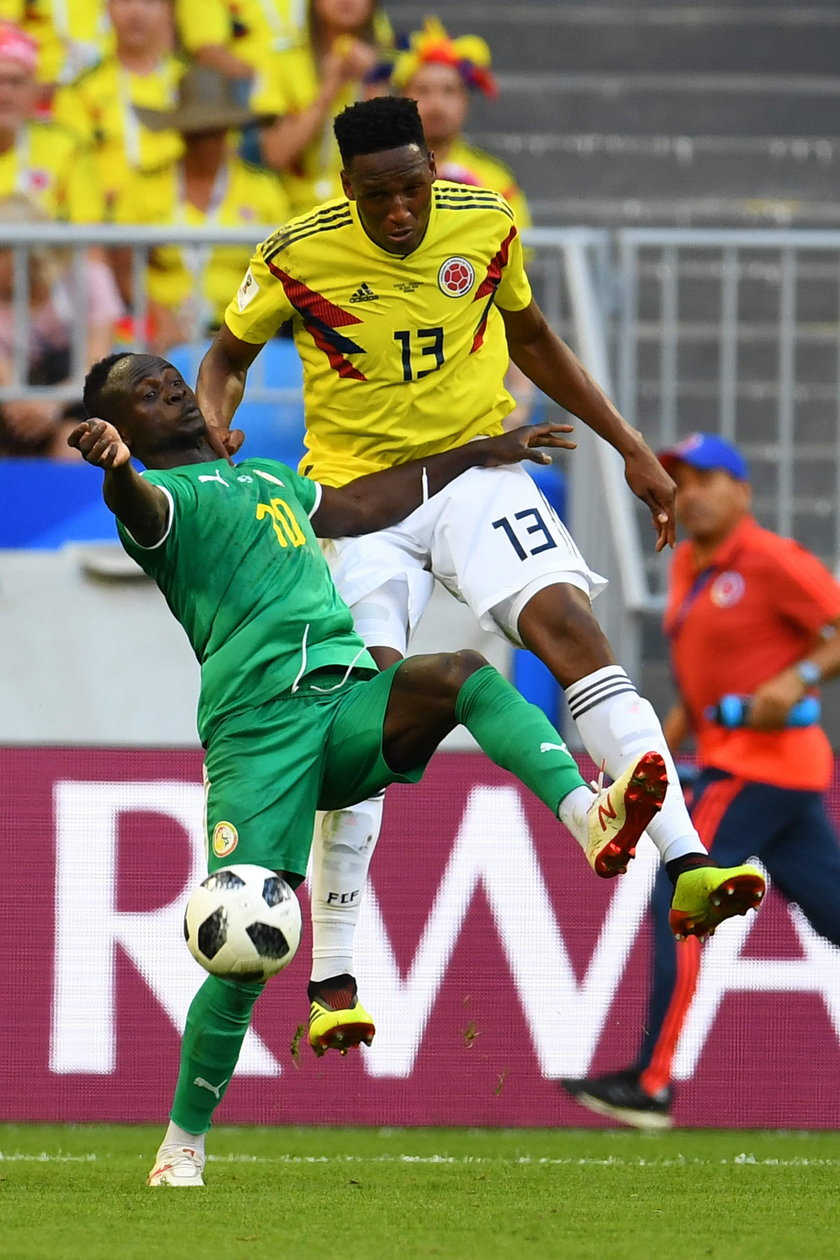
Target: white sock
341, 852
616, 726
179, 1137
572, 812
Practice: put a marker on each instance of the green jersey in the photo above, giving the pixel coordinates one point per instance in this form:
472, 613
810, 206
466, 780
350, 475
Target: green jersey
242, 571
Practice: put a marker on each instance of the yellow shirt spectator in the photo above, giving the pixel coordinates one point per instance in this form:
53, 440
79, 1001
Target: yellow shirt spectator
303, 89
48, 164
252, 30
100, 108
243, 195
289, 85
71, 34
467, 164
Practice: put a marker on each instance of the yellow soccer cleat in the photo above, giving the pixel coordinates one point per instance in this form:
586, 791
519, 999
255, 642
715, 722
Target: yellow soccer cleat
619, 814
707, 895
339, 1030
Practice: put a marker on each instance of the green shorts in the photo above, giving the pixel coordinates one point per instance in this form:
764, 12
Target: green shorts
269, 770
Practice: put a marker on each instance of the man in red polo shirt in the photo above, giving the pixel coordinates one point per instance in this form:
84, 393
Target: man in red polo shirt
749, 614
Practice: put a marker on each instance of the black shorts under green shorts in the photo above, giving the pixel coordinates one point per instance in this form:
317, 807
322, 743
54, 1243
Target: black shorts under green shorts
270, 769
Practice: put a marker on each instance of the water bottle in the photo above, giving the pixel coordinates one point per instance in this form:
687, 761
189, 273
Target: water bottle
731, 711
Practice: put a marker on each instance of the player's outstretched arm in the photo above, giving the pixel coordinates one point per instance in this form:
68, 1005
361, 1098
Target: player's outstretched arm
381, 499
554, 369
221, 383
142, 507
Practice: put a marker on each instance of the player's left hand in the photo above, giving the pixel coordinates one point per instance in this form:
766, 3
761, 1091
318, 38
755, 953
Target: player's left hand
649, 482
100, 444
521, 444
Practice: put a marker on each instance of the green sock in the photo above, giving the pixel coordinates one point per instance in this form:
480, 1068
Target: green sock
217, 1022
517, 736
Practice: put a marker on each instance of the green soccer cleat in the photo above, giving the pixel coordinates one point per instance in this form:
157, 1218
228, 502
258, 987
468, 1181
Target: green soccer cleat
619, 814
707, 895
339, 1029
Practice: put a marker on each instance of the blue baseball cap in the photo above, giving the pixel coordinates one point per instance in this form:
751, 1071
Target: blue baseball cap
708, 452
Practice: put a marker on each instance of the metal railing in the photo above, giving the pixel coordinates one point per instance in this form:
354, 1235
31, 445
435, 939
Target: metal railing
738, 332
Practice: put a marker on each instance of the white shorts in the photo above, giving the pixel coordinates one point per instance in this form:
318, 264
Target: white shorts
490, 537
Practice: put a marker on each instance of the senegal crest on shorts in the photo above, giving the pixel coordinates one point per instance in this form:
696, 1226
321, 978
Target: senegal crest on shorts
456, 277
225, 839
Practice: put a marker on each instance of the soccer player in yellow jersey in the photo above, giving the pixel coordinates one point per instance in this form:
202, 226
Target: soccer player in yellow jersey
406, 299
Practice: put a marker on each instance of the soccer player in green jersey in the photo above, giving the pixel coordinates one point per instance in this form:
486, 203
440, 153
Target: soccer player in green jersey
407, 299
293, 713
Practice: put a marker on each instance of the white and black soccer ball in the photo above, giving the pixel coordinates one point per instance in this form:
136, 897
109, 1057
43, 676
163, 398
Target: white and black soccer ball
243, 922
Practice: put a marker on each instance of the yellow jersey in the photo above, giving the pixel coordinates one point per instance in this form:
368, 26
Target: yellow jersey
71, 34
99, 107
402, 356
254, 30
244, 195
48, 164
467, 164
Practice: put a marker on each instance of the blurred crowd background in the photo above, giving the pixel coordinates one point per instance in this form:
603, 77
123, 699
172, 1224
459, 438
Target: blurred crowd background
191, 113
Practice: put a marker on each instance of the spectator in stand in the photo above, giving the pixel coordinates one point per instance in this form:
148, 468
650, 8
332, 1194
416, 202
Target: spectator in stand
748, 613
100, 106
439, 73
209, 184
41, 426
38, 158
345, 58
236, 37
71, 36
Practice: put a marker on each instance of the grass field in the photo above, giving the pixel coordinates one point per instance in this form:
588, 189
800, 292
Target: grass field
79, 1192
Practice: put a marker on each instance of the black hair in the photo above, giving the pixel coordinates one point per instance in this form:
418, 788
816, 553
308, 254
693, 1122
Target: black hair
374, 126
96, 382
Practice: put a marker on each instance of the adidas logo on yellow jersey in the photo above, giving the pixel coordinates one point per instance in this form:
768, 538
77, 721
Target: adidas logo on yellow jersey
364, 293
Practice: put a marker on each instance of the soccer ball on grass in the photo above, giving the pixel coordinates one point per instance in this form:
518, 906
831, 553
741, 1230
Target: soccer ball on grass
243, 922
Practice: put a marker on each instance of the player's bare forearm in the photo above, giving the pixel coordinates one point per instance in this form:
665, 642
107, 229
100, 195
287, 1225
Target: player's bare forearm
221, 377
381, 499
141, 506
557, 371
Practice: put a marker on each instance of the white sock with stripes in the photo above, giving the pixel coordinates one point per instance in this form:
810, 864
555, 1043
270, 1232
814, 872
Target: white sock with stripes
616, 726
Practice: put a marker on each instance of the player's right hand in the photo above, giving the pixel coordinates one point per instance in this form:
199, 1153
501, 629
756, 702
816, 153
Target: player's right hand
100, 444
520, 444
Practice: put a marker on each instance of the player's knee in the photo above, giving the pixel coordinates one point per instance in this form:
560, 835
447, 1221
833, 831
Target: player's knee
462, 665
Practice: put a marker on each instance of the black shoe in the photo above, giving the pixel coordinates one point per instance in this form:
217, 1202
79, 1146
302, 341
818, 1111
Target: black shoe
620, 1096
